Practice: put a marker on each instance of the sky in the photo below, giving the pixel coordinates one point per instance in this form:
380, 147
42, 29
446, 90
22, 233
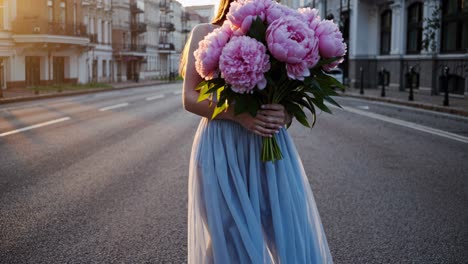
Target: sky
198, 2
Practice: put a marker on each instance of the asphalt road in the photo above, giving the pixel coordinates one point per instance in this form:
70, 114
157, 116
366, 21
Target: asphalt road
102, 178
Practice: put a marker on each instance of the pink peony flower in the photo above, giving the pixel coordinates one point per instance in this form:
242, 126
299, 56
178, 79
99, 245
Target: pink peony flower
209, 50
312, 17
331, 43
291, 41
277, 10
243, 12
243, 63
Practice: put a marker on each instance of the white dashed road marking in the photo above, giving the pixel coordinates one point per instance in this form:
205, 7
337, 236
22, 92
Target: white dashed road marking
113, 107
155, 97
34, 126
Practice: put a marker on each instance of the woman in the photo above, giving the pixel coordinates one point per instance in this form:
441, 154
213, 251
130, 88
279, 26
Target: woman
240, 209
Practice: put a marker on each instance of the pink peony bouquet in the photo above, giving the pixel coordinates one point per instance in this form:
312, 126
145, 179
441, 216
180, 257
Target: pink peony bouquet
266, 52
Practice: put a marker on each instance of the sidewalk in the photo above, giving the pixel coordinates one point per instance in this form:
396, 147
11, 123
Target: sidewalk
24, 94
422, 99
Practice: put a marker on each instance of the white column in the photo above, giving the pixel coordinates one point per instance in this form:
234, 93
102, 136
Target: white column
354, 26
99, 30
398, 31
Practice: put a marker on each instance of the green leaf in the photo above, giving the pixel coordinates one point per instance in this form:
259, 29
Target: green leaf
201, 85
203, 95
257, 30
297, 112
221, 96
332, 101
328, 81
313, 112
319, 103
219, 109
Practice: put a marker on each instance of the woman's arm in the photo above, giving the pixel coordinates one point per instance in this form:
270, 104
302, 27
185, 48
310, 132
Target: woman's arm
266, 123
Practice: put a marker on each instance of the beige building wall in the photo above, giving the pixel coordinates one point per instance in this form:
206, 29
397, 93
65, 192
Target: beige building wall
42, 42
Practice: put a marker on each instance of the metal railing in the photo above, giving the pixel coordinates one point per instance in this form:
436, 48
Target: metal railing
48, 28
127, 47
138, 26
166, 46
166, 26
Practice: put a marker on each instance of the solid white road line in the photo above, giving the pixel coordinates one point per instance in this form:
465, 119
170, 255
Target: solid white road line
155, 97
407, 124
34, 126
414, 109
113, 107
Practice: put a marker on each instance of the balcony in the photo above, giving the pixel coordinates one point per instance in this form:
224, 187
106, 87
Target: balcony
138, 48
135, 9
125, 49
41, 31
166, 26
138, 27
165, 47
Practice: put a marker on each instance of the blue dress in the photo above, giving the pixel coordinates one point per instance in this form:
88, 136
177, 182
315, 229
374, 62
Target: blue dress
242, 210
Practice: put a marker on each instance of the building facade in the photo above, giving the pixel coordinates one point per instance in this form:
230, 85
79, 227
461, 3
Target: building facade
97, 18
42, 43
413, 41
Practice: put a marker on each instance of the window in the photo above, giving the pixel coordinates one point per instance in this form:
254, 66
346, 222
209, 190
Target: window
63, 13
414, 32
455, 26
1, 16
50, 10
104, 68
385, 32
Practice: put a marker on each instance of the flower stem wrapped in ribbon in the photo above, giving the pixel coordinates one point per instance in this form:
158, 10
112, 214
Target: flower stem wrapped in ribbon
265, 53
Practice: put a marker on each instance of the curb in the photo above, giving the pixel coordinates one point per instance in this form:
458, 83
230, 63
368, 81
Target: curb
437, 108
63, 94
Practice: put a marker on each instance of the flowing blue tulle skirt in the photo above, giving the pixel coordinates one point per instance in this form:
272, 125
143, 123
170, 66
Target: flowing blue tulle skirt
242, 210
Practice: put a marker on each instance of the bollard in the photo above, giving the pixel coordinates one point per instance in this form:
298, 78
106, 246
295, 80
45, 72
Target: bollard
445, 83
382, 74
362, 80
411, 92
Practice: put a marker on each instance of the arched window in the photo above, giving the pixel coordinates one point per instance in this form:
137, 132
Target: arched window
385, 32
415, 25
455, 26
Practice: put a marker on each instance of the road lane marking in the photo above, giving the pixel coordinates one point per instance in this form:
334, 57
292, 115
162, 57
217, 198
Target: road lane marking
34, 126
155, 97
407, 124
364, 107
178, 92
414, 109
113, 107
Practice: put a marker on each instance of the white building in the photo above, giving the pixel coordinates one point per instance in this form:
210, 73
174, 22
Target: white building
41, 43
97, 18
392, 35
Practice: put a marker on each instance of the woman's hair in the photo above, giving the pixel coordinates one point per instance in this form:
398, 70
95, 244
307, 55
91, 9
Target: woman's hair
217, 20
222, 11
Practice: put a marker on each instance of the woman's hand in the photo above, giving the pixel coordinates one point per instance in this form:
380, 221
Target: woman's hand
269, 119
